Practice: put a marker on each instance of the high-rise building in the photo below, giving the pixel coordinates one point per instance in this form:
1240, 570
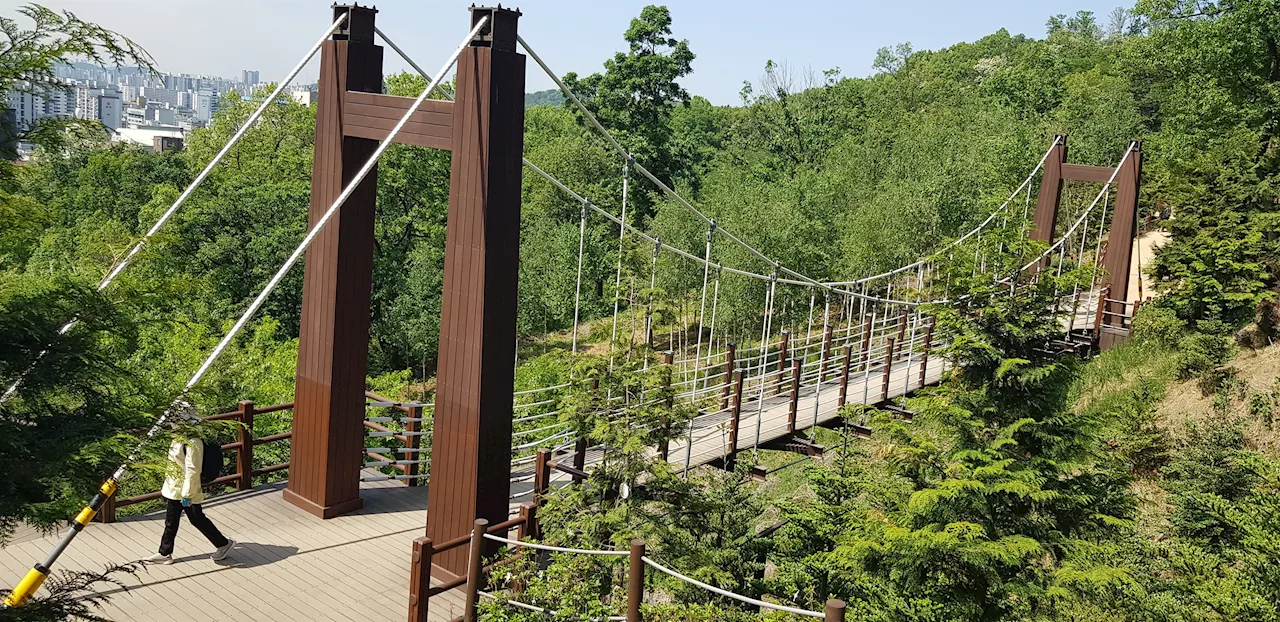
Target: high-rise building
206, 104
249, 77
100, 104
24, 109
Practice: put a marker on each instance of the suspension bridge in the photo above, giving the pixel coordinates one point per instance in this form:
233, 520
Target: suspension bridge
354, 533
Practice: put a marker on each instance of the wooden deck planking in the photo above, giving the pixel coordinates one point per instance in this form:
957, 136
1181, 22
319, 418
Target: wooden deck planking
289, 565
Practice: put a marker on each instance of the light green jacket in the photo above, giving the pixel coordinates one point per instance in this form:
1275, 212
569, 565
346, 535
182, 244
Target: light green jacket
183, 477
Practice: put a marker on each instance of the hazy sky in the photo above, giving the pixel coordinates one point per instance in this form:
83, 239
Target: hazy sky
732, 40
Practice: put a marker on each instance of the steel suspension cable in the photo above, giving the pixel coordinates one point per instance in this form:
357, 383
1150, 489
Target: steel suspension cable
617, 283
702, 308
764, 358
577, 289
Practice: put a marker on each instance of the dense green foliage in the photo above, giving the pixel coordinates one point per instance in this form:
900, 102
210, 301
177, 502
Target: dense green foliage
1024, 490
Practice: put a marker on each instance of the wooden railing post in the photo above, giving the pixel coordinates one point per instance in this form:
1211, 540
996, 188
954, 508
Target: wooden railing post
795, 394
888, 369
244, 456
865, 354
529, 527
108, 512
475, 570
1137, 304
834, 611
782, 360
413, 441
541, 474
635, 581
729, 356
736, 419
1101, 310
844, 375
420, 579
826, 354
924, 351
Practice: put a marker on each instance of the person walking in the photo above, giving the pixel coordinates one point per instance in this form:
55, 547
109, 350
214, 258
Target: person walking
183, 494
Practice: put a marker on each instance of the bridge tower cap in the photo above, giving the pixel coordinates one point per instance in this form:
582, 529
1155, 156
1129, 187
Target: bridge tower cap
359, 25
500, 31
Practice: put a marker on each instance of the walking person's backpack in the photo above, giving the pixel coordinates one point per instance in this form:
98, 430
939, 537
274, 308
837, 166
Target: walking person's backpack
211, 465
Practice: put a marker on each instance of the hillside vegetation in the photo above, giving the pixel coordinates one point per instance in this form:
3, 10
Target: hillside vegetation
1140, 485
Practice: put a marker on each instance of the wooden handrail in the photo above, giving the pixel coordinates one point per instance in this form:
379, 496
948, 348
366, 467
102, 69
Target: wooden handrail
243, 447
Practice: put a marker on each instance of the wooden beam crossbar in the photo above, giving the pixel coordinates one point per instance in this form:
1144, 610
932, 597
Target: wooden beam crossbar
1085, 172
373, 115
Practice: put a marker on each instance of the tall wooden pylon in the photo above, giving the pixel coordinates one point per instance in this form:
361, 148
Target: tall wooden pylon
1050, 197
333, 342
471, 445
1124, 227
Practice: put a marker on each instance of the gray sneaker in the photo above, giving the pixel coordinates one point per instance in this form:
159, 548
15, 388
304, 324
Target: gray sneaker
223, 550
158, 559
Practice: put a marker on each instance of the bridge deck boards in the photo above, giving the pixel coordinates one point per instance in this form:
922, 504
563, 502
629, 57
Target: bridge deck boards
288, 564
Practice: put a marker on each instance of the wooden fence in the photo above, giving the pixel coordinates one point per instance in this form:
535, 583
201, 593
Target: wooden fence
243, 446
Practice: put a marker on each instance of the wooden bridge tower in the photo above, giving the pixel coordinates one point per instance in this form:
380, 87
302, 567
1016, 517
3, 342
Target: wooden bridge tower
484, 130
1119, 249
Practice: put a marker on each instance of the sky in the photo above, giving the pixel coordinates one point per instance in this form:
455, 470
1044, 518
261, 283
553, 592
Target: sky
732, 40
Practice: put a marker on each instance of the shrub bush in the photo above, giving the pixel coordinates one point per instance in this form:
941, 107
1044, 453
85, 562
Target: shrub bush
1155, 324
1200, 353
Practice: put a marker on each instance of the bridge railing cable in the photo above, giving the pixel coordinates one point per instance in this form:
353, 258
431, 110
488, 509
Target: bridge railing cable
630, 158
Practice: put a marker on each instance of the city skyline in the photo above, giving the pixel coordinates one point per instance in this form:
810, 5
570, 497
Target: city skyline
732, 41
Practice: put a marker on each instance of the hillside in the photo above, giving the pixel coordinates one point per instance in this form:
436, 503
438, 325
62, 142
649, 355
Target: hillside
549, 97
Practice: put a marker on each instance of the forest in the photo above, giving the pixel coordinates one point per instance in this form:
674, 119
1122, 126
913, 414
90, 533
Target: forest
1140, 484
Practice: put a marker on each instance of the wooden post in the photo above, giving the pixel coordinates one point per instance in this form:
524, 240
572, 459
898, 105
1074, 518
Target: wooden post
735, 420
1050, 197
475, 570
834, 611
865, 354
1124, 221
541, 474
635, 581
529, 528
108, 512
244, 456
795, 395
471, 448
826, 354
415, 442
844, 375
333, 338
729, 356
1137, 304
1101, 310
420, 579
888, 369
924, 352
782, 360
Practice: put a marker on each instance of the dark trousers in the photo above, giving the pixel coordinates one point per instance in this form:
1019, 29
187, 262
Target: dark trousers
173, 511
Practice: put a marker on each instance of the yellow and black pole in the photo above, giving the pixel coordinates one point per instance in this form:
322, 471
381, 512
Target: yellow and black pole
38, 573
